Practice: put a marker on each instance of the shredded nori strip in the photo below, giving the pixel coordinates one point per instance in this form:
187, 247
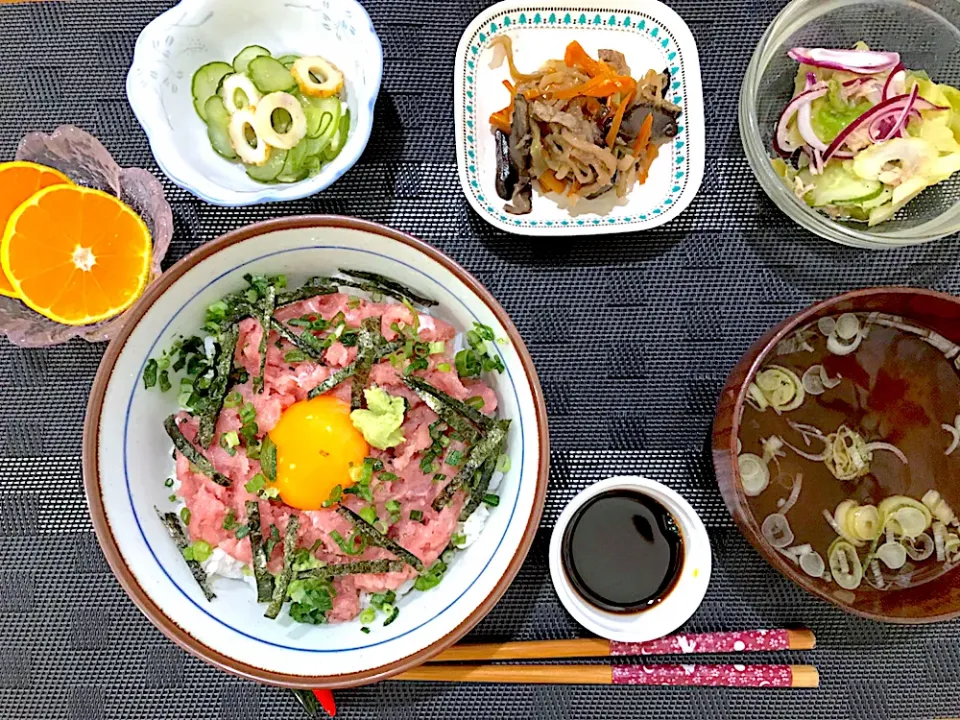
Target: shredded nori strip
311, 288
419, 385
447, 413
340, 375
307, 343
379, 539
282, 581
172, 523
481, 481
485, 447
311, 706
260, 573
218, 388
363, 567
197, 458
367, 342
386, 286
267, 305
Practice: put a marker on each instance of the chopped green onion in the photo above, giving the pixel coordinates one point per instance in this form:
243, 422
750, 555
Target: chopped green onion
369, 514
439, 478
230, 439
164, 381
365, 630
368, 616
454, 458
294, 356
432, 577
476, 402
335, 496
491, 500
172, 498
503, 463
435, 348
459, 539
426, 463
394, 611
387, 477
270, 493
230, 520
168, 483
201, 550
242, 532
393, 506
248, 413
150, 374
185, 515
416, 515
256, 484
443, 367
448, 556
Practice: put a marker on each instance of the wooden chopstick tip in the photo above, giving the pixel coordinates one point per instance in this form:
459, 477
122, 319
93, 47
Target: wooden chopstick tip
805, 676
801, 639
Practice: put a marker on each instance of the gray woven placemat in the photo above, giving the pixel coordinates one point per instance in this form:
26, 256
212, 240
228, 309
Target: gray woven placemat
632, 349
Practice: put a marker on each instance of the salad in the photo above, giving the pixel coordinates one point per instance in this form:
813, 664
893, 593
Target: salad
862, 135
282, 118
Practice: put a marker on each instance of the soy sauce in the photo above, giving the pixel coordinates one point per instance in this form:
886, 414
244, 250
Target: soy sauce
622, 551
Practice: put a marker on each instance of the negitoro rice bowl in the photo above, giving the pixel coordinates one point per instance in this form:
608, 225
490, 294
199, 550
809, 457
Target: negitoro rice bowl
357, 487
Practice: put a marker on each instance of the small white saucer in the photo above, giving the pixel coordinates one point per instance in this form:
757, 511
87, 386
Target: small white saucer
682, 601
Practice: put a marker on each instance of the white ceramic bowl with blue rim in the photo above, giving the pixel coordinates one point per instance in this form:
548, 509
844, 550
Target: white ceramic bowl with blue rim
127, 458
195, 32
650, 35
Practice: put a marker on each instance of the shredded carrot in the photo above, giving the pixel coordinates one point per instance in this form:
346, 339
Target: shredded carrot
503, 119
576, 56
532, 93
550, 182
593, 106
643, 137
600, 86
618, 120
651, 154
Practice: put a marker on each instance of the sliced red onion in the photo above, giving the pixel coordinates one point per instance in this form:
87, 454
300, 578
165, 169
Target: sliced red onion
904, 116
895, 104
805, 126
781, 141
861, 62
896, 83
924, 104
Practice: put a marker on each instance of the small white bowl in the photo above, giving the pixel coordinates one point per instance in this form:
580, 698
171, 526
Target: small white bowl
195, 32
681, 602
650, 35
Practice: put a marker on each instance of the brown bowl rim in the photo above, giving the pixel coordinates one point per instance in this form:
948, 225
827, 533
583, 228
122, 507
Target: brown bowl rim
108, 543
725, 454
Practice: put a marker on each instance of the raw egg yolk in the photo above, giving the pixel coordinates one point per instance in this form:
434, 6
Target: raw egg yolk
317, 445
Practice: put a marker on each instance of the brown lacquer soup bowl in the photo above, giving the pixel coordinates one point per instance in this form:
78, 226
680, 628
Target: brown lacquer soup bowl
127, 460
836, 450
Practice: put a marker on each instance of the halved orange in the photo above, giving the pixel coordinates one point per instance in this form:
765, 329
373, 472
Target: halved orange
18, 181
76, 255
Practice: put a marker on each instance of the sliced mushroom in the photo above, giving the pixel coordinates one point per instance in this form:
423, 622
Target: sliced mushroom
665, 116
521, 199
506, 171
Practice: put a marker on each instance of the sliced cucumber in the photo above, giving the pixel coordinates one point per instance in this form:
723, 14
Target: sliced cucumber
838, 184
288, 60
322, 114
269, 171
312, 165
270, 75
340, 139
315, 146
243, 58
218, 122
284, 178
205, 82
294, 164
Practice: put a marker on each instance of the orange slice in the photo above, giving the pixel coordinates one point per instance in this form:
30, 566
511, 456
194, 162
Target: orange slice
18, 181
76, 255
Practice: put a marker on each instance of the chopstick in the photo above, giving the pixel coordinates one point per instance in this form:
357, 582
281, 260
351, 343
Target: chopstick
682, 644
752, 676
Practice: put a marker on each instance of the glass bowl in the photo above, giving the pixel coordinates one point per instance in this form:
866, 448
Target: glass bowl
926, 33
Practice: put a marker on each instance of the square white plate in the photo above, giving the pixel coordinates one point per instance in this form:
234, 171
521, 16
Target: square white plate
650, 35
